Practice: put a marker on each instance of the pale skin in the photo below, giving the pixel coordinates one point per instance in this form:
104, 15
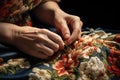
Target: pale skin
42, 43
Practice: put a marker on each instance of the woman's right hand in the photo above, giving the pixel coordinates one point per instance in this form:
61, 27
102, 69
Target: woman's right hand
40, 43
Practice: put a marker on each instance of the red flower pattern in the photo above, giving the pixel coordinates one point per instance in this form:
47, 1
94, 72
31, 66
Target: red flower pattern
36, 1
29, 23
66, 64
114, 60
117, 38
11, 11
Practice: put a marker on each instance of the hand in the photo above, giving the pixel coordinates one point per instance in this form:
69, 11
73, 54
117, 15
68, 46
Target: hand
69, 26
40, 43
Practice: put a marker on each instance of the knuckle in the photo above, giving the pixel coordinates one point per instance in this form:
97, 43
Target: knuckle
77, 18
44, 30
58, 38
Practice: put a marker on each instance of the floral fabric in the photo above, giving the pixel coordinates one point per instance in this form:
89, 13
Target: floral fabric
17, 11
95, 56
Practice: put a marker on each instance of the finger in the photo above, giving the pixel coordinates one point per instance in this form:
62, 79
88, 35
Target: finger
44, 49
62, 25
79, 35
28, 47
76, 31
30, 51
81, 24
54, 46
55, 38
38, 54
47, 42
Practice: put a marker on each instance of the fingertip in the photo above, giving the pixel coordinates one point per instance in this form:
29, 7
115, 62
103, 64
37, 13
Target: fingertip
65, 31
57, 48
67, 35
62, 46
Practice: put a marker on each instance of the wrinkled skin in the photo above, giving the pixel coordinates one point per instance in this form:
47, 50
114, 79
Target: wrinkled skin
37, 42
67, 25
42, 43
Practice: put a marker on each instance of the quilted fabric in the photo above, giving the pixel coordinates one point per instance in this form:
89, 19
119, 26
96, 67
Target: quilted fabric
95, 56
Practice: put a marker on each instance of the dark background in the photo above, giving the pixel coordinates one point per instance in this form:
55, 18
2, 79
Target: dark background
98, 13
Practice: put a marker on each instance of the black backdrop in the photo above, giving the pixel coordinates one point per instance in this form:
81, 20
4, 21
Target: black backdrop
98, 13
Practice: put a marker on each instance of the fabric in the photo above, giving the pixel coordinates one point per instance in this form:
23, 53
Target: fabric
95, 56
17, 11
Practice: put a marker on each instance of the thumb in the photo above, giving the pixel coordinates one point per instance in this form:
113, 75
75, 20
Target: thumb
64, 30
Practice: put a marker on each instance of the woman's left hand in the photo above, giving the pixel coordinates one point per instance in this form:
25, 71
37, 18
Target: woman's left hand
68, 25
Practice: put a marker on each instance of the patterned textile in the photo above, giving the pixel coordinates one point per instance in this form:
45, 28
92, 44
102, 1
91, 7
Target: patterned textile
17, 11
95, 56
